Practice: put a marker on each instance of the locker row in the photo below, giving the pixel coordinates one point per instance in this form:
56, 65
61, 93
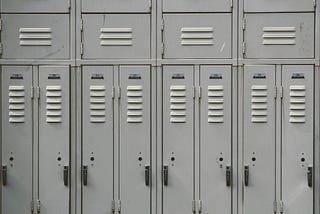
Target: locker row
144, 6
200, 136
184, 35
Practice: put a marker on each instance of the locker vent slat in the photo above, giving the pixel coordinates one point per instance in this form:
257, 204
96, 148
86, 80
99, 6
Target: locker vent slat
215, 104
279, 36
97, 104
178, 102
259, 104
197, 36
16, 104
35, 36
54, 104
135, 104
297, 104
116, 37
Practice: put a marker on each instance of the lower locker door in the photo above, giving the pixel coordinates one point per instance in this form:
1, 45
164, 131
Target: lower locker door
178, 139
259, 139
54, 127
97, 139
17, 139
297, 139
135, 140
215, 139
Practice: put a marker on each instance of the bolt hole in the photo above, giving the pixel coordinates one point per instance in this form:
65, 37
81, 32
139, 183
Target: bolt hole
92, 158
173, 159
220, 159
254, 159
303, 159
59, 158
140, 158
11, 158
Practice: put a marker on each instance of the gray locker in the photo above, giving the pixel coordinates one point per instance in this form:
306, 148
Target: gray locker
17, 139
277, 6
97, 135
259, 139
116, 36
178, 139
135, 139
297, 138
35, 6
54, 128
196, 6
279, 35
197, 35
215, 139
35, 36
116, 6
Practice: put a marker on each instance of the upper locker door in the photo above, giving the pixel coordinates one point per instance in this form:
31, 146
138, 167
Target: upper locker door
113, 36
116, 6
279, 35
215, 139
259, 139
197, 35
178, 139
278, 6
17, 139
97, 139
54, 138
197, 6
34, 6
297, 138
135, 139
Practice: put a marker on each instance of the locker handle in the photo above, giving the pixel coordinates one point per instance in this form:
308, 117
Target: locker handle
85, 175
246, 175
147, 175
309, 175
4, 175
66, 175
165, 174
228, 176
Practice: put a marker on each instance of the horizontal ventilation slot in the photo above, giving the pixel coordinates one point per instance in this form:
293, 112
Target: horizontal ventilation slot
135, 104
54, 104
297, 104
259, 104
178, 104
116, 37
35, 36
97, 104
216, 104
16, 104
279, 35
195, 36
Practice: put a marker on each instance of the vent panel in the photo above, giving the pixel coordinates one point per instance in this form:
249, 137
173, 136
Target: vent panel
259, 104
116, 37
97, 104
215, 104
135, 104
16, 104
178, 104
35, 36
197, 36
54, 104
279, 36
297, 104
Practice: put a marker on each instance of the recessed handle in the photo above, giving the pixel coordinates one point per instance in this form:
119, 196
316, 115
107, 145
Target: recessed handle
84, 172
165, 175
66, 175
228, 176
310, 176
4, 175
147, 175
246, 175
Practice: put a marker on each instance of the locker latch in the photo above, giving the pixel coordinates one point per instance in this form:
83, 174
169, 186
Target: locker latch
4, 175
38, 207
228, 176
246, 175
309, 175
66, 175
84, 172
165, 174
147, 175
113, 207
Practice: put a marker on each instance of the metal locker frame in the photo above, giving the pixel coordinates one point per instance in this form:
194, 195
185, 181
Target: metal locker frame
33, 6
129, 6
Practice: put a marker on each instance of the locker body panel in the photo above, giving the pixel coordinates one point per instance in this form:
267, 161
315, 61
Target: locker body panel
98, 145
35, 36
197, 35
278, 6
17, 138
34, 6
54, 137
279, 35
196, 6
178, 138
135, 138
116, 6
215, 138
116, 36
297, 137
259, 138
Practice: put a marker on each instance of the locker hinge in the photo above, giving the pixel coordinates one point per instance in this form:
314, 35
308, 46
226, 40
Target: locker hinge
193, 92
314, 3
81, 25
119, 206
32, 207
200, 207
162, 48
231, 4
0, 24
200, 92
194, 207
275, 92
32, 92
38, 207
244, 48
281, 92
281, 206
38, 92
162, 24
150, 4
119, 92
1, 48
275, 207
113, 206
244, 24
113, 92
69, 4
81, 48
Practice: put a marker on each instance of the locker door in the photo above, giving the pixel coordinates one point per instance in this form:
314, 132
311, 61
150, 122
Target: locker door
259, 139
215, 139
135, 139
297, 138
278, 6
97, 135
34, 6
17, 139
54, 127
178, 139
116, 6
196, 6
